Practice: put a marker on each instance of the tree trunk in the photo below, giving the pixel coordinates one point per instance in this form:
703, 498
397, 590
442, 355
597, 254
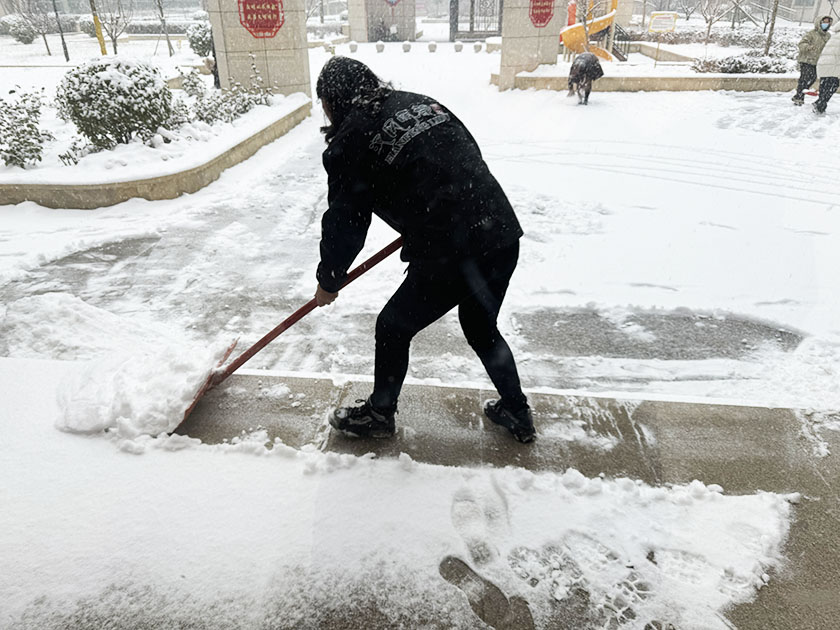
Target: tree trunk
644, 11
772, 27
44, 35
163, 25
97, 27
708, 33
114, 44
321, 10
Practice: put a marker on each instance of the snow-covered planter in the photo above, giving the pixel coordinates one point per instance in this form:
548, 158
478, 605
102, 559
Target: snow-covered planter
432, 46
21, 139
111, 100
380, 46
406, 46
21, 30
201, 39
354, 47
459, 46
744, 64
477, 46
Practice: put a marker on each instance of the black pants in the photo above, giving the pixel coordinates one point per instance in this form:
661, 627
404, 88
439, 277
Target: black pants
807, 76
828, 86
477, 287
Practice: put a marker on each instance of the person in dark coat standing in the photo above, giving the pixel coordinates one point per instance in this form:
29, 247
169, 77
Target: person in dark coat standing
810, 47
585, 69
410, 161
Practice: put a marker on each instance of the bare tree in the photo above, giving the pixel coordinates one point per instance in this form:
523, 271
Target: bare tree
116, 15
688, 7
712, 11
583, 16
772, 27
38, 14
159, 5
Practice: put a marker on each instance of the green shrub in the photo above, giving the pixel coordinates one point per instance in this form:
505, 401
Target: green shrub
201, 39
21, 140
112, 100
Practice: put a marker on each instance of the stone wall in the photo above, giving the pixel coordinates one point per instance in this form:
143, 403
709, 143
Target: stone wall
696, 83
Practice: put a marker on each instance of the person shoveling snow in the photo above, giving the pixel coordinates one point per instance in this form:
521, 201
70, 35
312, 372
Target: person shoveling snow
410, 161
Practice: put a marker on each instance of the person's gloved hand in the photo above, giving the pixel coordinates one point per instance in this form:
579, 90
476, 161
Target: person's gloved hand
323, 298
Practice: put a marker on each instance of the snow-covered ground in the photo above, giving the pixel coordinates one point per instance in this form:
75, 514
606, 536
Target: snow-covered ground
664, 219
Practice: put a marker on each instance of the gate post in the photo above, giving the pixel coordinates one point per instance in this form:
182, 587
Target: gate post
530, 36
272, 33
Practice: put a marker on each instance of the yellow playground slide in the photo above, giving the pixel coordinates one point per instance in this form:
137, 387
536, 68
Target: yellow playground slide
574, 35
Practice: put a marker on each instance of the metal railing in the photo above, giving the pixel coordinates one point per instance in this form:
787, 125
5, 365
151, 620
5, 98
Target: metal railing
621, 43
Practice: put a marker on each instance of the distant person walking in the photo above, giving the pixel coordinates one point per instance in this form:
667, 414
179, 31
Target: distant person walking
585, 69
810, 47
828, 68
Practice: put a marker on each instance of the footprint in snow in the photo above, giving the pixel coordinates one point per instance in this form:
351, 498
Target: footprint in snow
485, 598
481, 515
587, 584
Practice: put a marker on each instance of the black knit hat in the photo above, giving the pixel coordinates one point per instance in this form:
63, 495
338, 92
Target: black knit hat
345, 83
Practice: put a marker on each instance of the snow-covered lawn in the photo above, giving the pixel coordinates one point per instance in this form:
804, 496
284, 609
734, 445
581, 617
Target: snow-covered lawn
718, 206
80, 48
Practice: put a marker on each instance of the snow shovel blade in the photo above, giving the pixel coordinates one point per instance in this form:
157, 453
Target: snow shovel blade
208, 384
219, 374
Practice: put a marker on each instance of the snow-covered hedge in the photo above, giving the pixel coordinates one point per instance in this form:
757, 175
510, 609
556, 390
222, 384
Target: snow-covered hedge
154, 28
201, 39
111, 100
20, 29
744, 64
745, 37
87, 26
21, 140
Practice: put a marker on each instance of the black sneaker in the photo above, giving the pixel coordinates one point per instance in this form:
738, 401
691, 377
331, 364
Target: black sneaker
520, 424
817, 109
798, 100
363, 421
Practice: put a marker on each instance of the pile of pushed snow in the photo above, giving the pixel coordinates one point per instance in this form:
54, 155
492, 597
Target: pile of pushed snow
145, 392
139, 377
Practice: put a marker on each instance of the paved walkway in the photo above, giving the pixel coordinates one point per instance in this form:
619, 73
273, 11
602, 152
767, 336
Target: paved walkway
744, 449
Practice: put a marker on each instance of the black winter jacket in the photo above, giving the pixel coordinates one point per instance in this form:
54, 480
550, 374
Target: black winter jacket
415, 165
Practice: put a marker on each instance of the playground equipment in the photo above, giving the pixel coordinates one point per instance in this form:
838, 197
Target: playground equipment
574, 36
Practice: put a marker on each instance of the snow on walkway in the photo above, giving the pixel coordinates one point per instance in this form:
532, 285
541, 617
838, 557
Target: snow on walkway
237, 536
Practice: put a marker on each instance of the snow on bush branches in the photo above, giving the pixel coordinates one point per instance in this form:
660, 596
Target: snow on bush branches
112, 100
745, 64
21, 142
200, 39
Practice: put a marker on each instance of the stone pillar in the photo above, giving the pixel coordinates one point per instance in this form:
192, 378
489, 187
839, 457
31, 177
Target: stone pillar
273, 32
623, 13
374, 20
357, 20
530, 36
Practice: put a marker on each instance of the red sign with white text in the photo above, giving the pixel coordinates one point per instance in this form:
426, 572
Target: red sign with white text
262, 18
541, 12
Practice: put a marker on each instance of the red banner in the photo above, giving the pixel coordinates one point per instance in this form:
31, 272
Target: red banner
541, 12
262, 18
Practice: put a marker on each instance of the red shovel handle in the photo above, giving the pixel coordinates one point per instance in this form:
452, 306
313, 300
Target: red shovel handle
292, 319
